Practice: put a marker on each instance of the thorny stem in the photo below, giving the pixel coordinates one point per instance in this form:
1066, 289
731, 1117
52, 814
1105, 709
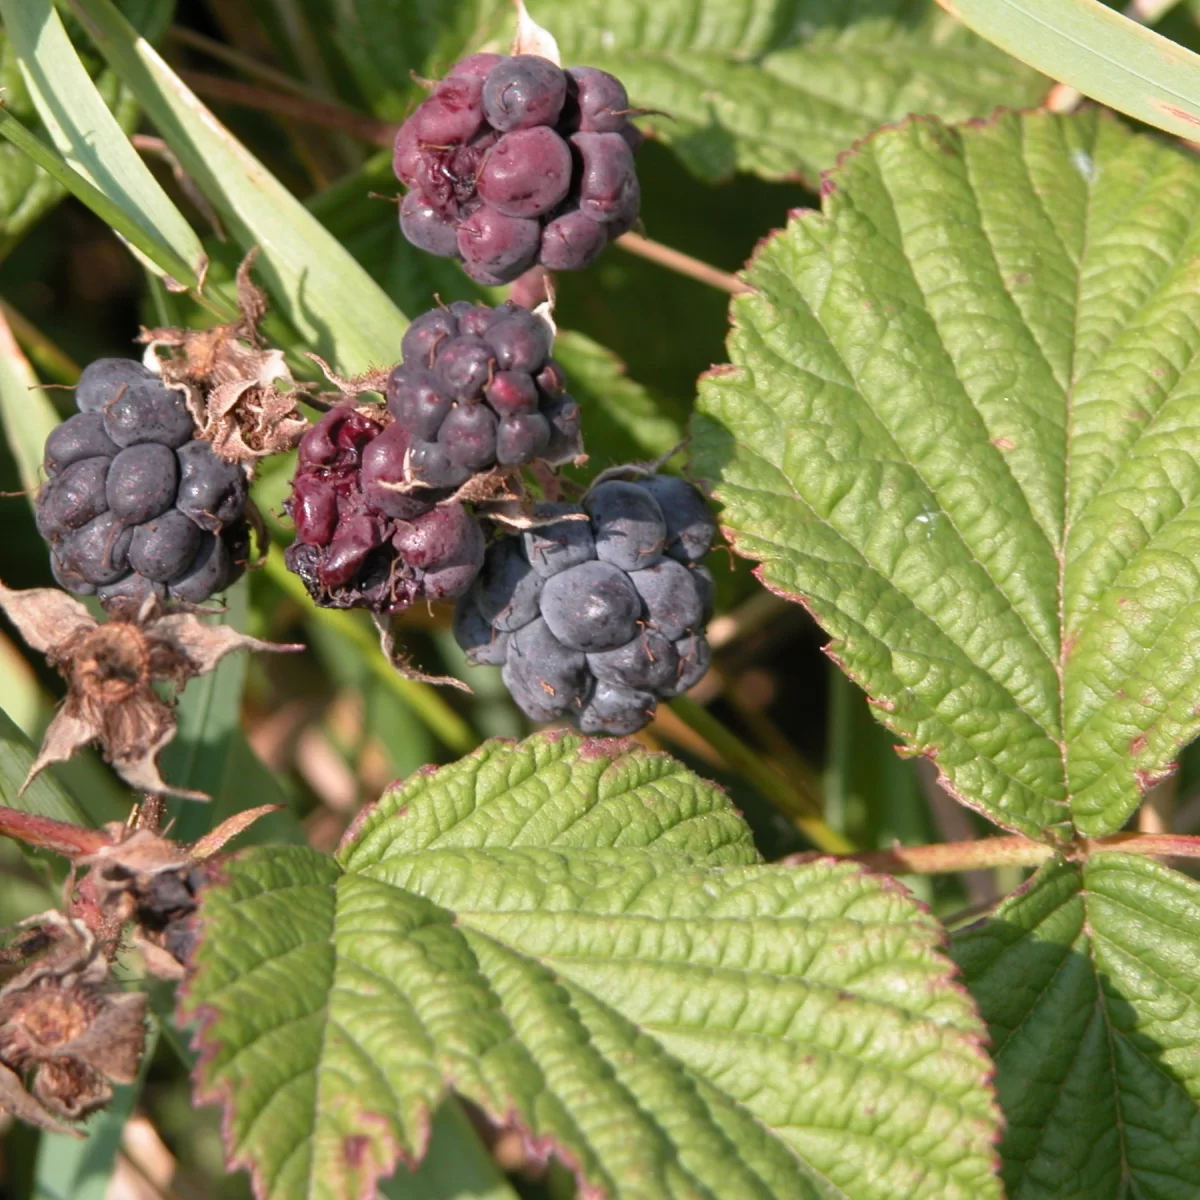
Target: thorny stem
297, 108
790, 795
684, 264
1019, 852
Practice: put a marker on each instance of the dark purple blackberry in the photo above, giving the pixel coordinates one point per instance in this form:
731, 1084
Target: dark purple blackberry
468, 398
512, 161
597, 616
133, 500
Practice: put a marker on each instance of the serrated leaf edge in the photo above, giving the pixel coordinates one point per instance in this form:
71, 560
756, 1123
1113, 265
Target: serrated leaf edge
926, 928
880, 708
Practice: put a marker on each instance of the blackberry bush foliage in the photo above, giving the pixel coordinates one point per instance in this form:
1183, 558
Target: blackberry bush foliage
135, 505
957, 425
596, 616
512, 161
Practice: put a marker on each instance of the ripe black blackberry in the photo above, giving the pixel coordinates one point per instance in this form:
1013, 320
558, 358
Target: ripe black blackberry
512, 161
599, 615
134, 504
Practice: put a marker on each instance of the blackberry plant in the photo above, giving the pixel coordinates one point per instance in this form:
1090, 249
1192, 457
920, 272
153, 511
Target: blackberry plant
953, 427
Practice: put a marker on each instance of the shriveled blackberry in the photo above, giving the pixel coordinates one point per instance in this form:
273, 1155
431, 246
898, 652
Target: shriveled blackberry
366, 537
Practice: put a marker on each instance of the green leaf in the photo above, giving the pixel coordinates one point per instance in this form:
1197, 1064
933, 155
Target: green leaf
575, 935
1099, 52
148, 245
779, 88
961, 427
26, 192
334, 305
1087, 980
86, 132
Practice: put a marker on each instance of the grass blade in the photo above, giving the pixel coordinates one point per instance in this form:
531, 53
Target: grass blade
109, 211
1099, 52
26, 414
333, 303
85, 131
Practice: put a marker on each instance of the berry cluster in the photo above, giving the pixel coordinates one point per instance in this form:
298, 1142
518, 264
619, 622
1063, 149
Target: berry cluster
377, 524
135, 505
600, 614
512, 161
478, 389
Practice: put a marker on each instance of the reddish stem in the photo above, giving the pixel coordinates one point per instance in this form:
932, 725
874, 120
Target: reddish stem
71, 841
296, 108
948, 857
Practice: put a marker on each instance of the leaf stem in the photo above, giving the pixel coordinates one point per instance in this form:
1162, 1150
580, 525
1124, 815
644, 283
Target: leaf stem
792, 796
683, 264
421, 697
1018, 851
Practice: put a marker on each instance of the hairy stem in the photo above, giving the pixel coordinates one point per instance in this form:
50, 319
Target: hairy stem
683, 264
1019, 852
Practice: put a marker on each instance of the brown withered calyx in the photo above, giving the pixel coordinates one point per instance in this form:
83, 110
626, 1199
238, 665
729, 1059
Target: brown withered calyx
111, 669
232, 381
65, 1036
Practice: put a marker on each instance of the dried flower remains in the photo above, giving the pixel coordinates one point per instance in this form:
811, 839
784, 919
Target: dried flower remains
111, 669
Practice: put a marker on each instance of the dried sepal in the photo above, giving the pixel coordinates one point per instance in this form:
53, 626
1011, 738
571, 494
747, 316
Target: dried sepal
44, 616
135, 877
111, 670
351, 387
64, 1030
401, 663
634, 471
231, 379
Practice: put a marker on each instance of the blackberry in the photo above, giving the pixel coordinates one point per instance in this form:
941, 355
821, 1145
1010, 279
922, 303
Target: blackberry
599, 615
134, 503
366, 536
467, 396
512, 161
